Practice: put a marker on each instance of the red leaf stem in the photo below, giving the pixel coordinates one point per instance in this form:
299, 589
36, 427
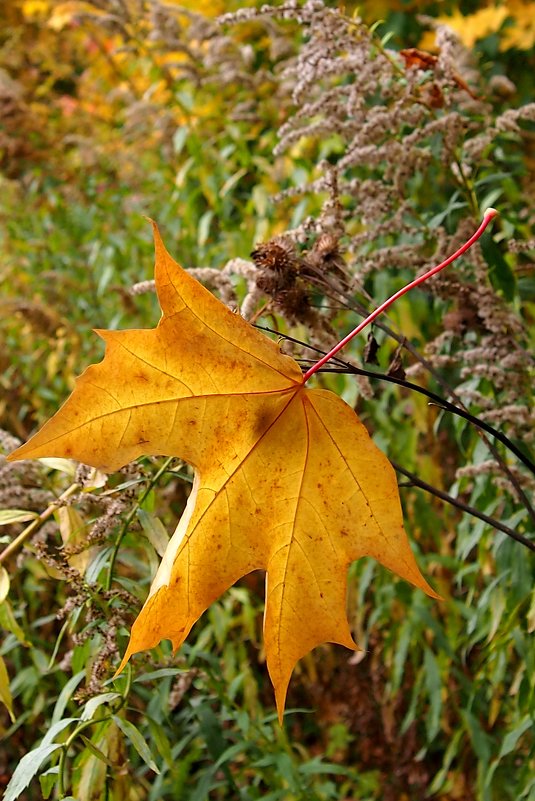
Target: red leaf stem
487, 217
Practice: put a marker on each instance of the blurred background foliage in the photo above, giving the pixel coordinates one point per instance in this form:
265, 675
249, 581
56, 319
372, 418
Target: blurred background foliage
117, 109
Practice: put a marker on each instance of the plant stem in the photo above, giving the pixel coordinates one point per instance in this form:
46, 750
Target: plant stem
124, 528
82, 726
62, 765
487, 217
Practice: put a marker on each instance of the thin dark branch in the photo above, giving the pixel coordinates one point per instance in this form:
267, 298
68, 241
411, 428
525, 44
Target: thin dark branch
346, 368
400, 339
444, 404
300, 342
464, 507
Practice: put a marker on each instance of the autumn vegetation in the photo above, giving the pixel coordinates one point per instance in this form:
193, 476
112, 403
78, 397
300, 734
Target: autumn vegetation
303, 162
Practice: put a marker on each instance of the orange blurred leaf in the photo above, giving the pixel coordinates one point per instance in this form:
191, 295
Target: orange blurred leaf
421, 60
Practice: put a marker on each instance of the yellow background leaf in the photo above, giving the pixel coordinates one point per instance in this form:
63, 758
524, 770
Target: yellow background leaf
514, 21
4, 583
5, 691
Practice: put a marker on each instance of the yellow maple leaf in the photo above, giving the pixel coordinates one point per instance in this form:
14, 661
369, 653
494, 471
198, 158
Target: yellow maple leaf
472, 27
521, 32
286, 478
514, 21
32, 9
208, 8
63, 14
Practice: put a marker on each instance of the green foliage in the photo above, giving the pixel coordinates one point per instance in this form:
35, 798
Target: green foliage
439, 703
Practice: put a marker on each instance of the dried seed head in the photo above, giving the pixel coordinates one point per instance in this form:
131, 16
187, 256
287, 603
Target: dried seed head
278, 266
327, 246
42, 319
279, 256
295, 305
325, 256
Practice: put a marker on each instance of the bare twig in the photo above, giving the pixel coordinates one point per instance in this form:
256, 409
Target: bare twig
464, 507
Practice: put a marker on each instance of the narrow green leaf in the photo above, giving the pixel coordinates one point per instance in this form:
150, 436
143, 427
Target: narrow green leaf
93, 704
92, 572
433, 686
8, 516
137, 740
316, 767
26, 769
65, 695
204, 228
159, 674
179, 138
511, 738
400, 653
56, 728
211, 730
97, 752
481, 742
155, 531
452, 752
232, 181
287, 770
48, 780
